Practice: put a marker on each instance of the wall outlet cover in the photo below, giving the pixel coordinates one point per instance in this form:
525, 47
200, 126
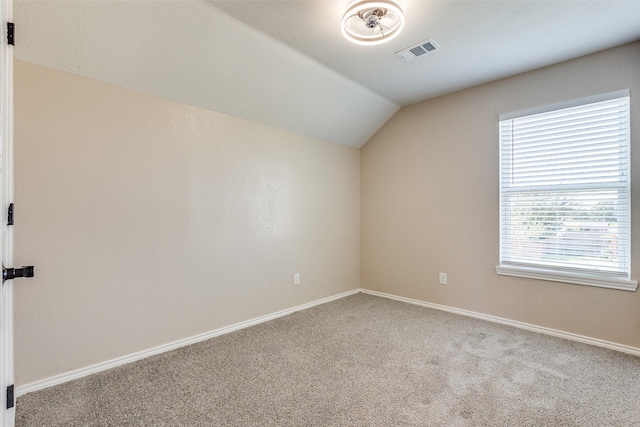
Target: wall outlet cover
443, 278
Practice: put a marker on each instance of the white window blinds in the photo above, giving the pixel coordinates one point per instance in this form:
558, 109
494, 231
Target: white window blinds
565, 191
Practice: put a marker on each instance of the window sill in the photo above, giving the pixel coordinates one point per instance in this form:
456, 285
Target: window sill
577, 279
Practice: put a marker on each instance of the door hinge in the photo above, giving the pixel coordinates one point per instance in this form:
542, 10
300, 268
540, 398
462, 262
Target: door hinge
10, 31
14, 273
10, 399
10, 214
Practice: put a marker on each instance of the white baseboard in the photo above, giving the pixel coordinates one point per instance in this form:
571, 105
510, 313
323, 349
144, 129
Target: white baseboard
534, 328
99, 367
103, 366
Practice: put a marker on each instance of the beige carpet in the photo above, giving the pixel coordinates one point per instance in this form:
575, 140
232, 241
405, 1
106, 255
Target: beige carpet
358, 361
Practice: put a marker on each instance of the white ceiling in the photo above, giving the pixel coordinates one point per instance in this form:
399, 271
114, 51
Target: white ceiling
286, 64
481, 41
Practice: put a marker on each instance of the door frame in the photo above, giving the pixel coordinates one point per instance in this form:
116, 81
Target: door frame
7, 416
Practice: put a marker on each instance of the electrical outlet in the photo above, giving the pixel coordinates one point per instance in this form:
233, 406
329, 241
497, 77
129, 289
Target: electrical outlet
296, 279
443, 278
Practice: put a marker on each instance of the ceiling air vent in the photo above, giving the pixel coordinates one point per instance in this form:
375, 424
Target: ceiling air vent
418, 50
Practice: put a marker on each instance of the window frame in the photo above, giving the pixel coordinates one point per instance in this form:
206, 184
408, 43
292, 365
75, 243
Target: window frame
586, 278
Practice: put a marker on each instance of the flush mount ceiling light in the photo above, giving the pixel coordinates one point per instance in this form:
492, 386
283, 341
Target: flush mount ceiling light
372, 22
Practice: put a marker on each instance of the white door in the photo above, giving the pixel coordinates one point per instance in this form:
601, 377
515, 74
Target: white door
7, 415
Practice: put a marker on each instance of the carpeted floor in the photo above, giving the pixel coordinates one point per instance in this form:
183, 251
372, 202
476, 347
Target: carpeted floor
358, 361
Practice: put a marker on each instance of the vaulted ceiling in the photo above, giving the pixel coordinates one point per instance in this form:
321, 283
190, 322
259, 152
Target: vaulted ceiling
286, 63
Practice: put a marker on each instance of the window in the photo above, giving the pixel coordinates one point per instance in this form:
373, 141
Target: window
565, 206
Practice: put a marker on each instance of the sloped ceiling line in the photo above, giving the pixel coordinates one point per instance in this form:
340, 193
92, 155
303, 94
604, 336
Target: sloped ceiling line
191, 52
285, 63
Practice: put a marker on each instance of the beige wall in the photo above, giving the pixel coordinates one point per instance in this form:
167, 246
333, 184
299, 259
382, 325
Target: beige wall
429, 202
150, 221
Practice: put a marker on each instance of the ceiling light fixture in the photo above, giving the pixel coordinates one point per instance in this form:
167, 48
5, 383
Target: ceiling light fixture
372, 22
